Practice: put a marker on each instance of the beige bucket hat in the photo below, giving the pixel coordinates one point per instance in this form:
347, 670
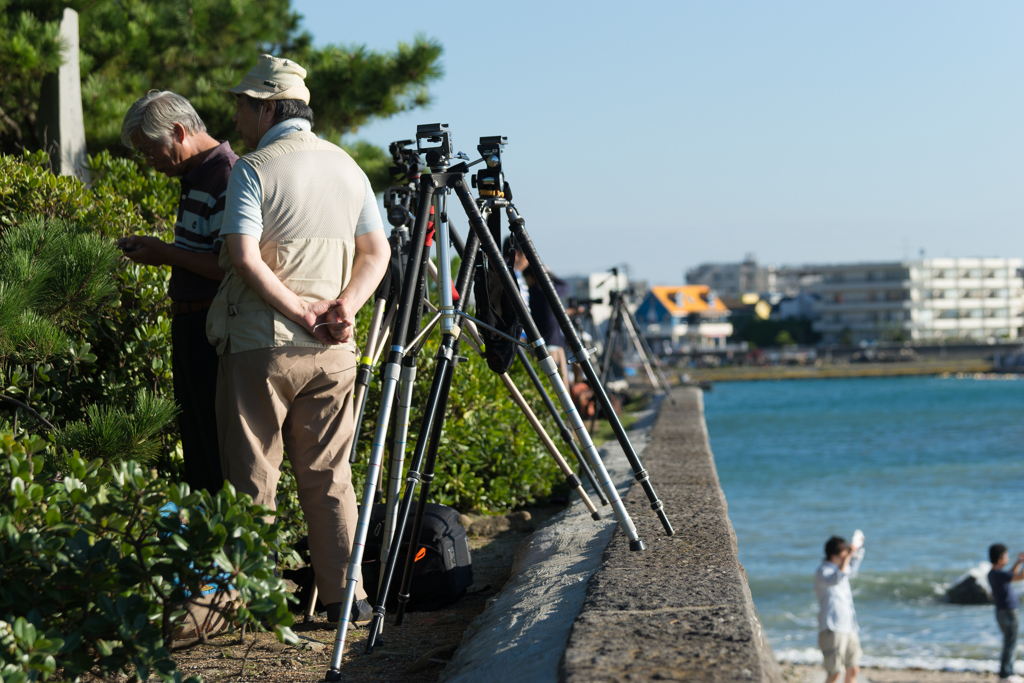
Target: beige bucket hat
274, 78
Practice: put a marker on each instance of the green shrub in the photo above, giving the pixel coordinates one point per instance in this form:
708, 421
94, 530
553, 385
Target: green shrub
64, 347
92, 570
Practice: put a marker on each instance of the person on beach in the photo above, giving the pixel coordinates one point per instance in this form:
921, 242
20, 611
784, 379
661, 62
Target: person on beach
1007, 606
837, 620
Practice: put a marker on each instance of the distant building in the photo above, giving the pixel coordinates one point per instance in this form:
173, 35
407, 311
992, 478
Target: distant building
732, 280
801, 306
687, 315
929, 299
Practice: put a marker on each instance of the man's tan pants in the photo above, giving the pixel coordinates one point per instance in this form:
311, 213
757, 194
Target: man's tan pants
296, 400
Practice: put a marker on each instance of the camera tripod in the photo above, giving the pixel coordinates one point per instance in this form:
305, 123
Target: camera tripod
397, 200
622, 318
443, 179
417, 265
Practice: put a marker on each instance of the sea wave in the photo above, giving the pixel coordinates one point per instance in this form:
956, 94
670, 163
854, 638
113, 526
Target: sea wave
903, 586
812, 656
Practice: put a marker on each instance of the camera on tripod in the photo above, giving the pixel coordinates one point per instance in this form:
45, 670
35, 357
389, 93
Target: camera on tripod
437, 157
575, 302
406, 171
408, 163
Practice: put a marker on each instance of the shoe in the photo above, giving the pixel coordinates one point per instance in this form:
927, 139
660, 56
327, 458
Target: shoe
361, 615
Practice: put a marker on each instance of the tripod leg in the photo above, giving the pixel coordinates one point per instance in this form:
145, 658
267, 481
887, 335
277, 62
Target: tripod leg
391, 374
432, 408
547, 365
446, 357
610, 342
631, 331
518, 228
650, 354
365, 373
562, 429
397, 461
363, 525
311, 605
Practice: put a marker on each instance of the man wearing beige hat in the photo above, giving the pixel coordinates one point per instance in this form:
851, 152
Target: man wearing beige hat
305, 248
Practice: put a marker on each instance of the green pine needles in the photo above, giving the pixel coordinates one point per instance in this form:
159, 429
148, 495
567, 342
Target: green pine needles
114, 434
52, 273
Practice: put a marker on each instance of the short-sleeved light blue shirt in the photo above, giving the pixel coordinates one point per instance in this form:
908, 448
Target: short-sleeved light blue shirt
243, 210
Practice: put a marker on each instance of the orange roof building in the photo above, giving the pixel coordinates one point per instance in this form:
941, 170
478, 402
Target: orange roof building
685, 314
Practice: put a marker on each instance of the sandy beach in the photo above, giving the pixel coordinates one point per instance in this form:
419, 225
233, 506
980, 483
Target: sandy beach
801, 673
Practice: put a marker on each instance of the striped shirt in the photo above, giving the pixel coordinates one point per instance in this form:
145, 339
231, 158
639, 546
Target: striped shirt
200, 215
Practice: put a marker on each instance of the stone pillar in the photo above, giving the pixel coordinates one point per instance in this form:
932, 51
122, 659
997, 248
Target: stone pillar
61, 125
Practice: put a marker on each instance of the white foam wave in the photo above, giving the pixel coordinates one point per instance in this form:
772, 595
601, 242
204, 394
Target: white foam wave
812, 656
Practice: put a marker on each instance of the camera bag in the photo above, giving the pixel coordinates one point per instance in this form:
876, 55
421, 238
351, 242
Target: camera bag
442, 570
440, 575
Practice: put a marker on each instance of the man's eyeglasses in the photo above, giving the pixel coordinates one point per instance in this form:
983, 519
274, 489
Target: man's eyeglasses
145, 154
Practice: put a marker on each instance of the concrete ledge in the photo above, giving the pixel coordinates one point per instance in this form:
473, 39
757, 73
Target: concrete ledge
682, 608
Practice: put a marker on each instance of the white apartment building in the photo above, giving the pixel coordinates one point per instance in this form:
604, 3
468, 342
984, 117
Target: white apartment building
929, 299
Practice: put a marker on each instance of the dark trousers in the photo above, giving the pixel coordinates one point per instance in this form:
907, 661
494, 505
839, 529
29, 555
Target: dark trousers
195, 387
1009, 623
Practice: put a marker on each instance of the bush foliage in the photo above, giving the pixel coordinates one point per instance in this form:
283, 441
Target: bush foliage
93, 570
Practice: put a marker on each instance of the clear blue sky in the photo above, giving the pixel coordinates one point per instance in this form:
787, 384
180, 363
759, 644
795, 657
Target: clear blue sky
663, 135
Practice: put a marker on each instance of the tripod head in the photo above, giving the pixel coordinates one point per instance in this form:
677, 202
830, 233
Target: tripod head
439, 156
408, 163
405, 173
490, 180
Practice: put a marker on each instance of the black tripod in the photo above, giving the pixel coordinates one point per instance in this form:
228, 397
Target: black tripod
443, 179
397, 201
623, 319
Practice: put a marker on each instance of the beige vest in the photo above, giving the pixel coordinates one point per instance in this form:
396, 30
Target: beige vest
313, 193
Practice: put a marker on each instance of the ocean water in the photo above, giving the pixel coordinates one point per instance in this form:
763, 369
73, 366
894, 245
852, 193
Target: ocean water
931, 469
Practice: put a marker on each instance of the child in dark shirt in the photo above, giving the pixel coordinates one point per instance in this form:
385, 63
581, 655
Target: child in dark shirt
1007, 607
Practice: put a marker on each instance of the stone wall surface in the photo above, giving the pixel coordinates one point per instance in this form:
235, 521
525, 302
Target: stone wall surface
682, 608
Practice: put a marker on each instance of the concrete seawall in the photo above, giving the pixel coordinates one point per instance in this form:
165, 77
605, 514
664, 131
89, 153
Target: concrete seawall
681, 609
581, 608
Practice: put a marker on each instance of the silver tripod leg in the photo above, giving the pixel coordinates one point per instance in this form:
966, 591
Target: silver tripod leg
550, 368
391, 373
639, 347
401, 436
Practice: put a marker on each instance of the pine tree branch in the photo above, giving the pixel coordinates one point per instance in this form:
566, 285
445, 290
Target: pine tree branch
4, 397
11, 123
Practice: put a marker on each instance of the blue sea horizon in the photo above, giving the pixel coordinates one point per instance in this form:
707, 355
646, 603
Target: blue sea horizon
929, 468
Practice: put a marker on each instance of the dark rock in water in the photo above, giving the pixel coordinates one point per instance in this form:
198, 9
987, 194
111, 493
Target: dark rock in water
969, 590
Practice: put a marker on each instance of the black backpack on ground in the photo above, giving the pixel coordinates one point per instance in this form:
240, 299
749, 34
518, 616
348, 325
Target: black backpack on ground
440, 576
442, 571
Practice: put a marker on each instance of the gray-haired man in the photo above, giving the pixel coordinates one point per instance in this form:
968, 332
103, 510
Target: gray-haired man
164, 129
